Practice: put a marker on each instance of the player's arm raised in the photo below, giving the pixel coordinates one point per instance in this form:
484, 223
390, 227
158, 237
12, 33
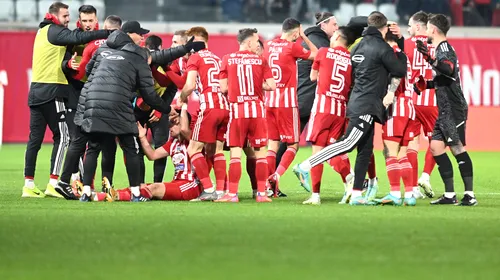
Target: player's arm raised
445, 63
189, 86
310, 45
315, 68
151, 154
184, 123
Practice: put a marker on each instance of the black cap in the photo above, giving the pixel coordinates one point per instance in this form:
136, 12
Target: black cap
134, 27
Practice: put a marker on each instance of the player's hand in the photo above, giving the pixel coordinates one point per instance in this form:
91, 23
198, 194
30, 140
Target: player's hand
301, 32
388, 99
179, 102
142, 130
73, 63
192, 47
420, 85
394, 28
422, 48
154, 116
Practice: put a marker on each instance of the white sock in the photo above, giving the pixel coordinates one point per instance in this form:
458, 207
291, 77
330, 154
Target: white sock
136, 191
210, 190
471, 193
305, 165
219, 192
87, 190
315, 195
262, 193
356, 193
29, 183
424, 176
408, 194
372, 182
449, 194
396, 194
75, 176
416, 189
53, 182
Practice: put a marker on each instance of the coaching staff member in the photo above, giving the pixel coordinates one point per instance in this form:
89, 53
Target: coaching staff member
108, 105
372, 62
449, 130
48, 91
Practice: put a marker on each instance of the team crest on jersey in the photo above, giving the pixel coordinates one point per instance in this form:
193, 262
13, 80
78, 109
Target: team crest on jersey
177, 159
232, 55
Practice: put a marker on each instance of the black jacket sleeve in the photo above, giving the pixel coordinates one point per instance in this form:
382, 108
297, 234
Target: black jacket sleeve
62, 36
401, 43
395, 63
166, 56
147, 91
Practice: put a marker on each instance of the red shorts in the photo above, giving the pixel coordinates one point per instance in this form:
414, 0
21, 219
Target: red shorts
396, 129
181, 190
210, 126
324, 129
426, 117
242, 132
283, 124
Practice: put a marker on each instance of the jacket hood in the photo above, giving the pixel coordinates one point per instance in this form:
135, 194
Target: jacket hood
317, 31
358, 24
133, 48
118, 39
45, 22
373, 31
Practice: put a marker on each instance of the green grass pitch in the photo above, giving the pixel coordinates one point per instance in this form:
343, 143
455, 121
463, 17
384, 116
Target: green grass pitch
57, 239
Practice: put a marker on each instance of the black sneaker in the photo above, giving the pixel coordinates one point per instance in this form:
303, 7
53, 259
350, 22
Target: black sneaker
468, 201
281, 194
443, 200
86, 198
65, 190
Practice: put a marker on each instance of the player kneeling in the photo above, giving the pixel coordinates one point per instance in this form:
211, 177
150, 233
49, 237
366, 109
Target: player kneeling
184, 186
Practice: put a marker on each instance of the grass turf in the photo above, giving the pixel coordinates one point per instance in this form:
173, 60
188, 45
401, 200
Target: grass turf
52, 238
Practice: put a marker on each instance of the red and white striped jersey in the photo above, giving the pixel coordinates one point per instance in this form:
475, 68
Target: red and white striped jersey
334, 81
282, 57
245, 73
180, 159
179, 65
207, 64
405, 88
403, 107
420, 67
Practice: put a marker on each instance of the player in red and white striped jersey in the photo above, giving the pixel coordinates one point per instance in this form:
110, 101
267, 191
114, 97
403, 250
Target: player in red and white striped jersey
332, 68
282, 106
211, 124
184, 185
425, 103
396, 135
244, 76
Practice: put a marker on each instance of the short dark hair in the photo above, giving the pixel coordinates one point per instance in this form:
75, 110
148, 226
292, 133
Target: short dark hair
348, 34
290, 24
441, 22
320, 17
114, 20
87, 9
246, 33
391, 37
56, 6
421, 17
153, 42
261, 44
377, 20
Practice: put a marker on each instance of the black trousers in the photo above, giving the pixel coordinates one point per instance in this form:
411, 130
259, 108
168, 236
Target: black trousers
283, 146
359, 133
53, 115
130, 146
76, 151
160, 131
73, 133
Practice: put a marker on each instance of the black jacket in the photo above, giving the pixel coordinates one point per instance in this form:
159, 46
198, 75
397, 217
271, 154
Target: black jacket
41, 93
113, 85
306, 88
372, 62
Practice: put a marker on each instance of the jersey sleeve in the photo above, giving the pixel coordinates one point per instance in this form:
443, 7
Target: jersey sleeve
317, 59
175, 67
193, 63
300, 52
446, 59
223, 68
267, 74
167, 146
86, 56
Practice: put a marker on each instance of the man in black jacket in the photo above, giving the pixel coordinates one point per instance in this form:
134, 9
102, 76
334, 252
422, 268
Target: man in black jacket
108, 105
372, 61
48, 92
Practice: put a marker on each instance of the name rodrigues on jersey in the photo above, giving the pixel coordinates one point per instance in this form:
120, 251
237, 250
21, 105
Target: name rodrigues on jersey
339, 57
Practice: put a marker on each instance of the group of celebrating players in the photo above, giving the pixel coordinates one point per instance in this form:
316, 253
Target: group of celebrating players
247, 102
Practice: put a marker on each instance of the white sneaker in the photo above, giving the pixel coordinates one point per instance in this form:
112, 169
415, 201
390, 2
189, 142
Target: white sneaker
312, 201
417, 194
426, 187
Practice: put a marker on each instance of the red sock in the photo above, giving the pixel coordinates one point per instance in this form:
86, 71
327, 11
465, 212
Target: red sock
52, 176
100, 196
124, 195
234, 175
316, 174
226, 183
210, 163
372, 172
220, 171
29, 177
406, 173
341, 165
200, 166
393, 172
261, 174
429, 162
286, 160
251, 164
413, 159
271, 162
146, 193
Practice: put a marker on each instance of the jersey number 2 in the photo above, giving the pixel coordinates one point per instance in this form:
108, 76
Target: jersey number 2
213, 72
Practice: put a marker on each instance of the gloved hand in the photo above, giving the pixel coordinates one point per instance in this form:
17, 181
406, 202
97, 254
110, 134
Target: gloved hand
192, 47
422, 48
420, 85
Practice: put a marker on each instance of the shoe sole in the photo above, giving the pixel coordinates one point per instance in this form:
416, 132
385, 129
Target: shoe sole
301, 180
427, 190
53, 195
32, 196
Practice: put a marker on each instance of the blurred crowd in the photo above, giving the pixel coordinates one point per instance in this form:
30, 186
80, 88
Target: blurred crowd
462, 12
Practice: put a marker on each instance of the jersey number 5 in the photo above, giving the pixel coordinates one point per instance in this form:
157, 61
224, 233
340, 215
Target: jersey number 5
213, 72
245, 79
275, 69
338, 77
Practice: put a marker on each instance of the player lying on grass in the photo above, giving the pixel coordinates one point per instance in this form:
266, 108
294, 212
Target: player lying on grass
184, 185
